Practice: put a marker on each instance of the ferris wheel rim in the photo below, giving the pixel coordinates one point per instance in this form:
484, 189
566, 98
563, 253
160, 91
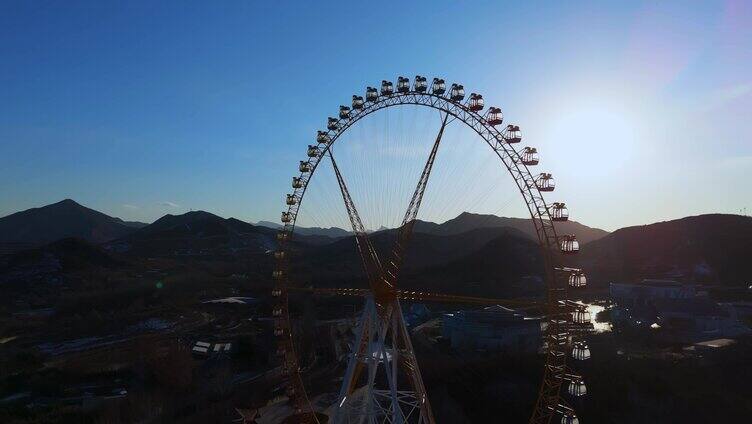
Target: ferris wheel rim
547, 237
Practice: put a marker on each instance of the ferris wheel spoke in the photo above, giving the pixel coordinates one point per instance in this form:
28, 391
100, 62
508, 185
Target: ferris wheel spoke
383, 314
369, 256
408, 222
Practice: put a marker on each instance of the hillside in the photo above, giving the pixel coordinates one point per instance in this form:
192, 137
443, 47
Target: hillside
467, 221
508, 265
464, 222
489, 255
707, 248
60, 220
195, 233
333, 232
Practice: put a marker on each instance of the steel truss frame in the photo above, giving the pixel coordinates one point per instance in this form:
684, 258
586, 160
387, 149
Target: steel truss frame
556, 335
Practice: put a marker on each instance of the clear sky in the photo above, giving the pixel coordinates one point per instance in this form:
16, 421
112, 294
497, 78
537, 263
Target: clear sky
641, 110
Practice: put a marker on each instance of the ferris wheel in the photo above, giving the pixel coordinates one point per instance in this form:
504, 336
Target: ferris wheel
382, 381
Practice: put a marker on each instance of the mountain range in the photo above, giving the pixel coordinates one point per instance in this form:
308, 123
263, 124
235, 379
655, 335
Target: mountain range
333, 232
467, 221
67, 218
471, 247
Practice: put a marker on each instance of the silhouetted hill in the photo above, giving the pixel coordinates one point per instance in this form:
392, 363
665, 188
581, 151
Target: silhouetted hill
467, 221
51, 264
203, 233
71, 254
196, 233
195, 224
464, 222
333, 232
431, 260
508, 265
59, 220
705, 248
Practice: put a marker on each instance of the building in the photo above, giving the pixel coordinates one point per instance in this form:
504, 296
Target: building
494, 328
647, 292
678, 312
205, 349
699, 318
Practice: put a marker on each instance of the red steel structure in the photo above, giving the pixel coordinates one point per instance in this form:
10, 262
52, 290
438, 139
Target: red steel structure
383, 345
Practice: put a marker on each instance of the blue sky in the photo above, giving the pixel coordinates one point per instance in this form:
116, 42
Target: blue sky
641, 109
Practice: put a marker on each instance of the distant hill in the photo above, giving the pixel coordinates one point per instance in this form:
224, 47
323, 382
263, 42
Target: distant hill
464, 222
495, 256
69, 254
467, 221
195, 224
510, 264
333, 232
196, 233
51, 264
705, 248
203, 233
60, 220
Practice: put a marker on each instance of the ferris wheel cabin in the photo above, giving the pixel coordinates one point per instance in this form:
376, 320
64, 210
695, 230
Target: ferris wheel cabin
545, 182
438, 87
581, 316
357, 102
387, 88
569, 418
568, 244
457, 92
420, 84
403, 84
494, 116
513, 134
332, 124
371, 94
322, 137
577, 279
529, 156
580, 351
344, 112
559, 212
475, 103
577, 388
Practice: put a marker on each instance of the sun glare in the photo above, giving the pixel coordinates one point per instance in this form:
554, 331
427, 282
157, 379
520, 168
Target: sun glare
597, 138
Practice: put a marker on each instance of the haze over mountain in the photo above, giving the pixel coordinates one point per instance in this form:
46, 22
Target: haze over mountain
60, 220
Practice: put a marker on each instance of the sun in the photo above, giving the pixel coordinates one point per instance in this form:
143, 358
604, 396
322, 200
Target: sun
596, 138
